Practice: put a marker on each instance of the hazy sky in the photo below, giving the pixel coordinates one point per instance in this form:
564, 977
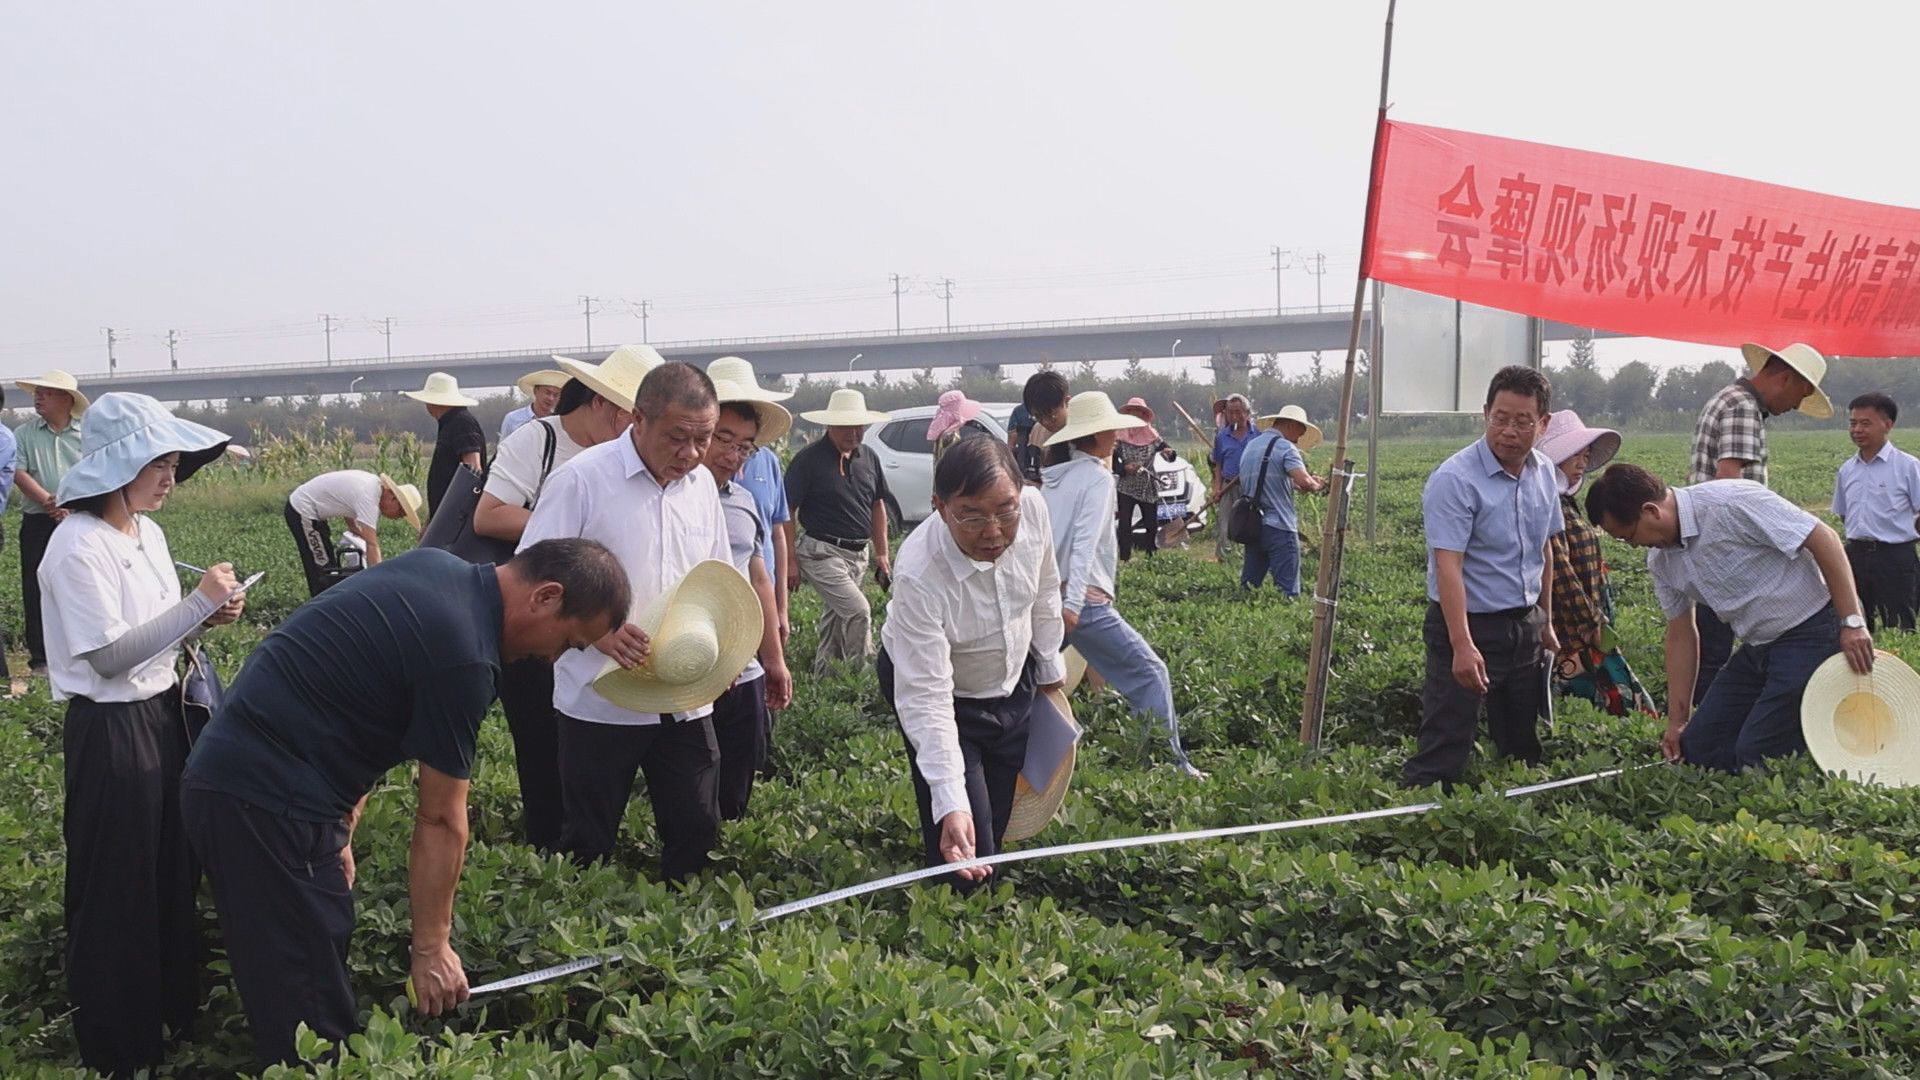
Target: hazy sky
234, 170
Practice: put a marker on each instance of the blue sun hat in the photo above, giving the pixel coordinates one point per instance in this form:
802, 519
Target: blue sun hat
122, 434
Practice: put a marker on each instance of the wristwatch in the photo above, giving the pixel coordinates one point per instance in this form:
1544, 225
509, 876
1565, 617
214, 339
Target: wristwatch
1853, 622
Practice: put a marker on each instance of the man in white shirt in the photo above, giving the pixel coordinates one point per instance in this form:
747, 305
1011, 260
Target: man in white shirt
595, 406
1774, 572
360, 499
1877, 495
972, 634
647, 498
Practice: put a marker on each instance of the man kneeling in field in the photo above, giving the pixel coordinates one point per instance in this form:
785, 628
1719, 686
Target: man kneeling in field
1774, 572
398, 663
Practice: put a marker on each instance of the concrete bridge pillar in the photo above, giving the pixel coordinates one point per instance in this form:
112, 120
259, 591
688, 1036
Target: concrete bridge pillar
1232, 371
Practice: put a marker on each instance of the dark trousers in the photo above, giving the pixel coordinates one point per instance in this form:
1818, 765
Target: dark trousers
285, 914
318, 558
741, 727
1148, 509
526, 696
1509, 644
1884, 574
1716, 644
1277, 554
681, 762
1753, 711
133, 943
993, 744
35, 531
4, 673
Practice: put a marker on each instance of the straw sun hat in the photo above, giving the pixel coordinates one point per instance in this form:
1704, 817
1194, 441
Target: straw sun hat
846, 408
1091, 412
58, 380
702, 633
125, 433
1309, 438
1048, 729
1802, 358
740, 372
775, 420
618, 377
543, 377
408, 496
1864, 726
1076, 665
441, 389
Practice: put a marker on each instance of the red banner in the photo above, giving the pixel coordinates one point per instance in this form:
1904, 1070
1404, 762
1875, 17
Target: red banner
1640, 248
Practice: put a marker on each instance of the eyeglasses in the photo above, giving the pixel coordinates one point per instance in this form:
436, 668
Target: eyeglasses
1007, 520
1512, 423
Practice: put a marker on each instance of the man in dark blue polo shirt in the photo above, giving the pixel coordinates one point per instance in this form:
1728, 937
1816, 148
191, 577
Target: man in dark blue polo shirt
398, 663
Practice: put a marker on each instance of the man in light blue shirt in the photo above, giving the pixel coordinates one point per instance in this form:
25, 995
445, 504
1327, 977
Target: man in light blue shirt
1489, 510
1271, 466
1877, 494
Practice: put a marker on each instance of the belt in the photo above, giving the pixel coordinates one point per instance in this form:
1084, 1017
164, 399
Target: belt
1875, 545
844, 545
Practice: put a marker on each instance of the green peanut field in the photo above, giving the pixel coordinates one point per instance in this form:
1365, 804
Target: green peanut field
1662, 923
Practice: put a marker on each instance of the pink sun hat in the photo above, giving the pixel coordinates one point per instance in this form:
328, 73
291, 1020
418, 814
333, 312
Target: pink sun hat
956, 408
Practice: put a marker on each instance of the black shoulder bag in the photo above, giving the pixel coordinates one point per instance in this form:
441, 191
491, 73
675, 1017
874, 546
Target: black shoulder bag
451, 527
1243, 517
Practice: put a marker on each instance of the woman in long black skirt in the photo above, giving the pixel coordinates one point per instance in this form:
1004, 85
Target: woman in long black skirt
115, 621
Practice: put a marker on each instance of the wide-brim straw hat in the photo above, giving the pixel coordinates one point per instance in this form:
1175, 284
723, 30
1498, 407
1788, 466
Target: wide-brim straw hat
956, 408
1802, 358
1864, 726
1567, 435
408, 496
441, 389
1076, 669
775, 420
618, 377
1309, 438
1089, 413
1137, 406
701, 634
739, 371
124, 434
58, 380
846, 408
543, 377
1034, 808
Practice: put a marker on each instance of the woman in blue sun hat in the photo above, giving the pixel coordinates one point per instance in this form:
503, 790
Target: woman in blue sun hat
115, 621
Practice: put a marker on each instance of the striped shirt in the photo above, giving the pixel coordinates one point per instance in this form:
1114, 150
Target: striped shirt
1732, 425
1741, 553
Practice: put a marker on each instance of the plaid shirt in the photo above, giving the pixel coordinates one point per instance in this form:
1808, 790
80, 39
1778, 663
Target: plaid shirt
1732, 425
1579, 581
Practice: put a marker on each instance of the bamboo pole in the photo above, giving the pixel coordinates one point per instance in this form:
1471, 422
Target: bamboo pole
1334, 521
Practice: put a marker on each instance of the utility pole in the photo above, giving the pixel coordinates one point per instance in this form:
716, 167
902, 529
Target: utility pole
111, 362
586, 305
386, 330
1282, 260
946, 293
645, 306
896, 303
326, 323
173, 340
1316, 264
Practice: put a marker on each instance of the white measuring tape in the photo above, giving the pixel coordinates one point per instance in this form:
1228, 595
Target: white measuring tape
588, 963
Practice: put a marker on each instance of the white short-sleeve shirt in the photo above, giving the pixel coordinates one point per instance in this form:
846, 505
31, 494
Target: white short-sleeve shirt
515, 477
350, 493
98, 583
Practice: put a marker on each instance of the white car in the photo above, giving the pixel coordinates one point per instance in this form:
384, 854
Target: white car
906, 457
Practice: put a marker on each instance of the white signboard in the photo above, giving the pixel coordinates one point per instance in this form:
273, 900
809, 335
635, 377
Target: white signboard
1437, 354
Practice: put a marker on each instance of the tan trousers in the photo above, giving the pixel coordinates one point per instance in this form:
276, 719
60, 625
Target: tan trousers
846, 620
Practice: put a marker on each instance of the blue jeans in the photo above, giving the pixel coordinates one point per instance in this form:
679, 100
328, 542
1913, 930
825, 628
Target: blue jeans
1752, 710
1278, 552
1123, 658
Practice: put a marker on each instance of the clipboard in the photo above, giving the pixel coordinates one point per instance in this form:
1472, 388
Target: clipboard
1051, 736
